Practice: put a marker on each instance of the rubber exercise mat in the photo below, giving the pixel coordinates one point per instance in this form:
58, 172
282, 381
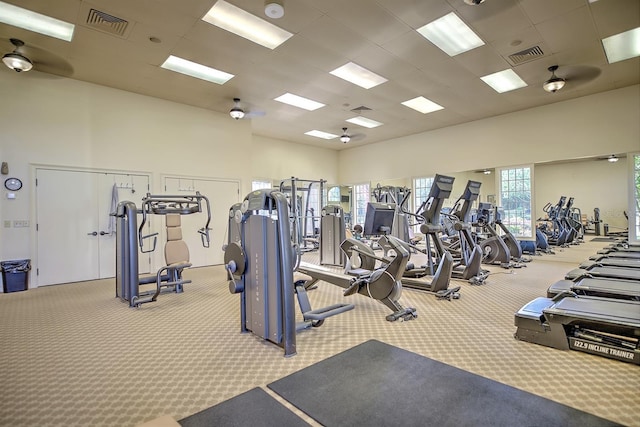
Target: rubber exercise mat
376, 384
252, 408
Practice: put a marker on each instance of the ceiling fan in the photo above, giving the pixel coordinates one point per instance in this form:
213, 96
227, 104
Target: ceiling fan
572, 75
237, 112
25, 57
611, 158
347, 137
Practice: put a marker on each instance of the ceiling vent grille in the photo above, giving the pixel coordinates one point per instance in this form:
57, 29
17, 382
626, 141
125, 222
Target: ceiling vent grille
107, 23
526, 55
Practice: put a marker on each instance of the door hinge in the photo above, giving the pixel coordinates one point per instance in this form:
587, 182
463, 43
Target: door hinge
37, 271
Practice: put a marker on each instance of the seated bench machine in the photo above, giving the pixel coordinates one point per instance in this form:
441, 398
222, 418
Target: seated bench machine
382, 284
601, 326
129, 237
260, 268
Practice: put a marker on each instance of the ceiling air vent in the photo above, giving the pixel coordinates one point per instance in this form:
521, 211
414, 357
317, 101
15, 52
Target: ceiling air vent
109, 24
526, 55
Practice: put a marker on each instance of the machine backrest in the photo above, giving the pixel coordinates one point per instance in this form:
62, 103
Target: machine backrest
175, 250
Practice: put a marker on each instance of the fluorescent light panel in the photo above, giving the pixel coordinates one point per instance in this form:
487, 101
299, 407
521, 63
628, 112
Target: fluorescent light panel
196, 70
353, 73
364, 122
622, 46
239, 22
451, 35
422, 105
504, 81
321, 134
298, 101
32, 21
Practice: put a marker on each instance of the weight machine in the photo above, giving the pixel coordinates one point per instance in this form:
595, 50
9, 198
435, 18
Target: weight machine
130, 237
303, 211
260, 268
398, 197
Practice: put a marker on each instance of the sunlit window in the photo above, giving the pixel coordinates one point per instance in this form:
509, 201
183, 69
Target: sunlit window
515, 200
361, 197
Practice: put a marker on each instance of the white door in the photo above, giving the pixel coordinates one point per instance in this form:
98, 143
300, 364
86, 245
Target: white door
66, 216
114, 188
75, 232
221, 195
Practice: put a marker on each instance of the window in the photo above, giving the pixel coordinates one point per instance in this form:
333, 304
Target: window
515, 199
421, 188
636, 196
257, 185
334, 195
360, 199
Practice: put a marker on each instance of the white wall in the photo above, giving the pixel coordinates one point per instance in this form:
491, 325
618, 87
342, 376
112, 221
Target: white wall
276, 160
64, 122
599, 124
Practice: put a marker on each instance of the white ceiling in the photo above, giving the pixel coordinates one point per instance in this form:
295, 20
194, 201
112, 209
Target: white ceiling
379, 35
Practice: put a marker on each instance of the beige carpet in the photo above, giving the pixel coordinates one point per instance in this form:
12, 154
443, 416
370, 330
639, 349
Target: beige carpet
74, 355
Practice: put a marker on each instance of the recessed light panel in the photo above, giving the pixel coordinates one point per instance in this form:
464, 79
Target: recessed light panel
364, 122
353, 73
298, 101
622, 46
422, 105
321, 134
233, 19
196, 70
32, 21
451, 35
504, 81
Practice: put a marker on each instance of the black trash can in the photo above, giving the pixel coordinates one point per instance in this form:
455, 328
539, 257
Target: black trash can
15, 275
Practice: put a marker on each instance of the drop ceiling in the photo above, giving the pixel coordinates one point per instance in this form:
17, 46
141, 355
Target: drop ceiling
379, 35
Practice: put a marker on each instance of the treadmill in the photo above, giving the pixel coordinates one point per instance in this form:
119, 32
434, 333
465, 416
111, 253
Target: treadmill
611, 288
601, 326
624, 255
611, 262
606, 272
609, 249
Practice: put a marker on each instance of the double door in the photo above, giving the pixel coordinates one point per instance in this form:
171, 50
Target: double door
75, 233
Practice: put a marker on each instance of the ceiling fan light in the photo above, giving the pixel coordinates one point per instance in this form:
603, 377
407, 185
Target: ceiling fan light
555, 83
612, 158
236, 113
17, 62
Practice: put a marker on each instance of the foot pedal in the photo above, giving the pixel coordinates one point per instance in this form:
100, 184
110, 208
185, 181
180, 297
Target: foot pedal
449, 294
353, 289
404, 314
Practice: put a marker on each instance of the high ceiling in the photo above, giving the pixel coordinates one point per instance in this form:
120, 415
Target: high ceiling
379, 35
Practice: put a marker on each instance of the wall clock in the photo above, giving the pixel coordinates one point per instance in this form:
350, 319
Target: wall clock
12, 184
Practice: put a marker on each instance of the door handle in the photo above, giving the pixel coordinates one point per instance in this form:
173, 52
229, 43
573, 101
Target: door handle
104, 233
95, 233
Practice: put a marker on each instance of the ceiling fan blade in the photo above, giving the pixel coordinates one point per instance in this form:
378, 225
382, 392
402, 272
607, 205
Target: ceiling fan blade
254, 114
577, 75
